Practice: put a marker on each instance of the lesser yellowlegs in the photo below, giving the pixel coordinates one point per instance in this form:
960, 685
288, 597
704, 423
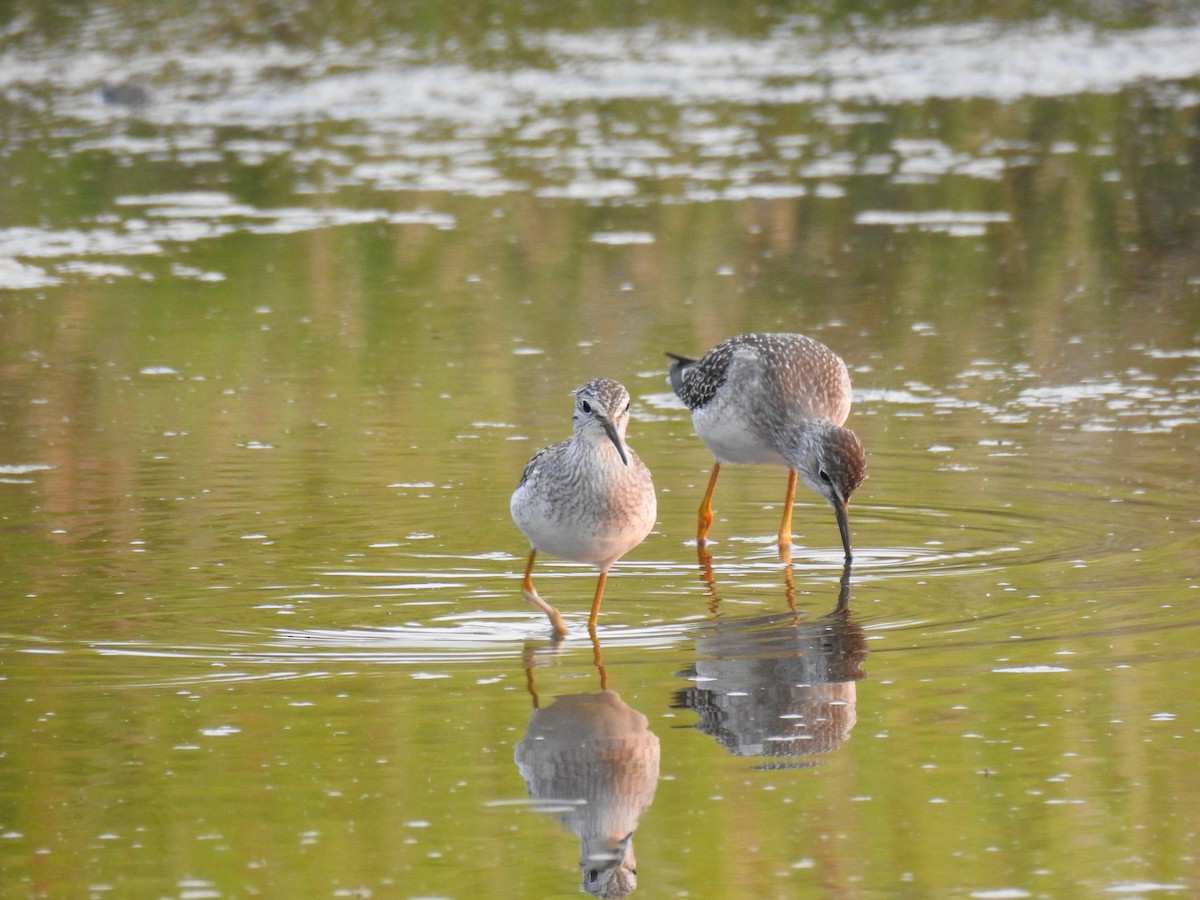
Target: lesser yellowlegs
587, 499
775, 399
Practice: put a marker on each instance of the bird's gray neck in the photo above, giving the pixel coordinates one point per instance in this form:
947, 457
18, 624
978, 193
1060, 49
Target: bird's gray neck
801, 445
595, 442
805, 436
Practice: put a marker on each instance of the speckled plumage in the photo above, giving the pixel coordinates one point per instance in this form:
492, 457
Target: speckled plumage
589, 498
779, 399
807, 374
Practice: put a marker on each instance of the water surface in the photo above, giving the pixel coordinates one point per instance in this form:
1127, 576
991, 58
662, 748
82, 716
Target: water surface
287, 304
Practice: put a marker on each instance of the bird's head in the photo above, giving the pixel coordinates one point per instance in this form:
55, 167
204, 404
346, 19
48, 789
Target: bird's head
611, 874
602, 413
832, 462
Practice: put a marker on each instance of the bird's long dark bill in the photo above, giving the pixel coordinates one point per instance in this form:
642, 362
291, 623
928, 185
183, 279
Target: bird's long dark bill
842, 510
626, 843
611, 430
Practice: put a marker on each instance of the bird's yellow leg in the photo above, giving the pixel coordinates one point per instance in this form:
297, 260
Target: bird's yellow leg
527, 584
705, 519
596, 603
785, 526
529, 592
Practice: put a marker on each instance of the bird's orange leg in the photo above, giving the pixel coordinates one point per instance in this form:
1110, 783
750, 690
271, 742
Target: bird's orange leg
785, 527
705, 518
596, 602
527, 584
529, 592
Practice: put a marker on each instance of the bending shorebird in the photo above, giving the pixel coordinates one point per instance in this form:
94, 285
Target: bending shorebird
775, 399
587, 499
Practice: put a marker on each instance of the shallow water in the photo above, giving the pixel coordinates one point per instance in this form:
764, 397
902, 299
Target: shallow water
285, 312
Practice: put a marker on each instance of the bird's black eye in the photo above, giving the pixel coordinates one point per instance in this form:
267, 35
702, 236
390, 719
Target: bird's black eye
825, 477
593, 874
585, 406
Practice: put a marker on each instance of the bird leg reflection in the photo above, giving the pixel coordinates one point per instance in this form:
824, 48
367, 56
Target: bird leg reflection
530, 684
785, 559
598, 660
708, 577
789, 584
529, 592
530, 662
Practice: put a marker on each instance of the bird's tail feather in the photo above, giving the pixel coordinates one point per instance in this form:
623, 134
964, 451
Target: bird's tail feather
679, 366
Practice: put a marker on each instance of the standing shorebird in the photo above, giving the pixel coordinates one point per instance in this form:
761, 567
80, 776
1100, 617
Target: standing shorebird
587, 499
775, 399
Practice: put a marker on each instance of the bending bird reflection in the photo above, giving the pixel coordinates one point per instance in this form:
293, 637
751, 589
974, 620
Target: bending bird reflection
588, 498
775, 399
778, 686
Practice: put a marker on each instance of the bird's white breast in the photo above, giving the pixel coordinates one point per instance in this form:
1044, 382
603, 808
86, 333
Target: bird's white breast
587, 512
731, 437
730, 425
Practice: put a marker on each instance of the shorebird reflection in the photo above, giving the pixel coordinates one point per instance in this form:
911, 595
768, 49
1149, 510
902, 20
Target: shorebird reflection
777, 685
590, 761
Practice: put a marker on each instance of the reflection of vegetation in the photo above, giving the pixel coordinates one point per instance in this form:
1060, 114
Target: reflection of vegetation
491, 32
397, 312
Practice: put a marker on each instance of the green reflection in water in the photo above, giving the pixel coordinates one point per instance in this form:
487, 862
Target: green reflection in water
262, 628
